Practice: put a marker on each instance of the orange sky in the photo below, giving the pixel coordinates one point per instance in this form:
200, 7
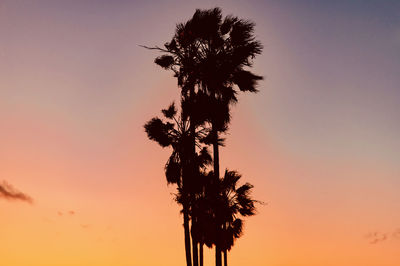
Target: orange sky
319, 142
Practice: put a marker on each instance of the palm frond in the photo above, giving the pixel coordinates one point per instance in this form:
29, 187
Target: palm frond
158, 131
228, 23
246, 81
173, 169
165, 61
170, 112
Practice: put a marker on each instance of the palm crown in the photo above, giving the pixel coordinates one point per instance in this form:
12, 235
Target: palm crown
173, 131
213, 53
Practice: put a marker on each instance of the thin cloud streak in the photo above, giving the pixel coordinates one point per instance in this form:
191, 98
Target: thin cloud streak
396, 234
85, 226
8, 192
377, 237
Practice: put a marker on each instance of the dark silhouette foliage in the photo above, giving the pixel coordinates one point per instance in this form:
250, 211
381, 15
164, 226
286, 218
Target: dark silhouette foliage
210, 55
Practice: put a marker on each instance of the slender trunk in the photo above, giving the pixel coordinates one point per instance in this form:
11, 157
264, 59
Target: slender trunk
225, 258
216, 153
193, 173
186, 215
218, 259
195, 250
187, 236
224, 248
201, 254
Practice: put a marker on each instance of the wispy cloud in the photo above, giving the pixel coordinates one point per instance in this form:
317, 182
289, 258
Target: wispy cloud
10, 193
85, 226
396, 234
377, 237
66, 213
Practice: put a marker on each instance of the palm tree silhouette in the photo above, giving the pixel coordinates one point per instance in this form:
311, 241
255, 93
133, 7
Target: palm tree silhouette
209, 56
234, 202
221, 201
204, 229
224, 49
176, 133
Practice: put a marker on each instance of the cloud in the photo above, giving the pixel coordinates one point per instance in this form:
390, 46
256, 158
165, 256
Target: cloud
377, 237
85, 226
396, 234
10, 193
71, 213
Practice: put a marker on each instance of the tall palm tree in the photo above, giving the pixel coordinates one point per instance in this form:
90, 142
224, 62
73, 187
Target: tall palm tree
224, 48
175, 132
211, 54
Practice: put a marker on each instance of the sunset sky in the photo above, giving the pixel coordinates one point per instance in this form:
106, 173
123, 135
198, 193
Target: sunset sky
319, 142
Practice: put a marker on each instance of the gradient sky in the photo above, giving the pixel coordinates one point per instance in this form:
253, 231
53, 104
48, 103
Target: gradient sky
319, 141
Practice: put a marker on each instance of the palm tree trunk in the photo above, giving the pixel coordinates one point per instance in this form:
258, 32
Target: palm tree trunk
225, 251
218, 259
201, 254
225, 258
195, 251
193, 172
216, 153
187, 236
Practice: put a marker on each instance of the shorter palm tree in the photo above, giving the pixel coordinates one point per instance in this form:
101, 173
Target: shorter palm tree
218, 208
202, 212
233, 203
174, 131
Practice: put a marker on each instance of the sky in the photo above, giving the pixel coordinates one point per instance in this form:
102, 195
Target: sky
80, 183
